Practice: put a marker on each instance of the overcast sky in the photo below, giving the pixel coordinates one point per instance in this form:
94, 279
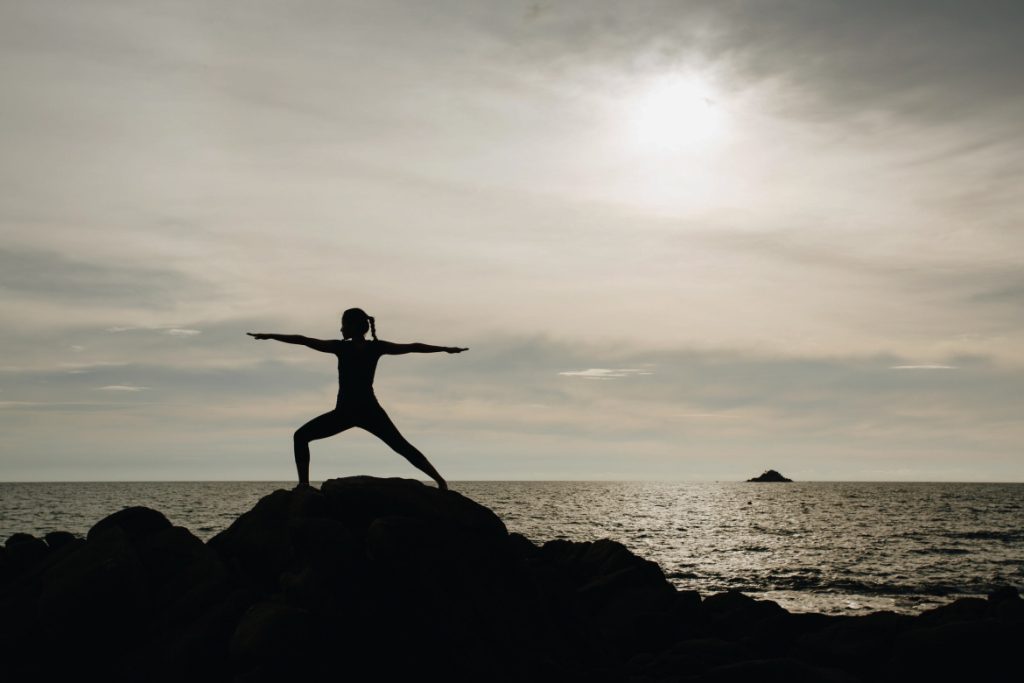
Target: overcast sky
683, 240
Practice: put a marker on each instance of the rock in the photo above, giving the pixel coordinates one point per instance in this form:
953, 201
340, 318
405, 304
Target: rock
58, 539
697, 655
375, 579
134, 522
963, 609
976, 649
733, 605
770, 476
357, 501
23, 552
729, 602
258, 546
626, 597
690, 619
521, 546
99, 592
1006, 605
1004, 594
179, 569
274, 637
786, 669
859, 644
21, 539
737, 616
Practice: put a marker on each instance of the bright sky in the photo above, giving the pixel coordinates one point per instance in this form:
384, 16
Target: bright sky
683, 240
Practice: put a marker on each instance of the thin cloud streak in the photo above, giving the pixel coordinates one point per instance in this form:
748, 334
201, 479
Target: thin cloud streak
605, 373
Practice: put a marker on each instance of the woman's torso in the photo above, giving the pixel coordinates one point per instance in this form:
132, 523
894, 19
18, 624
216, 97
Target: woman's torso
357, 364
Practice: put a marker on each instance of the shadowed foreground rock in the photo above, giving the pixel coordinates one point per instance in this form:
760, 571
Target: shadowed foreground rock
390, 580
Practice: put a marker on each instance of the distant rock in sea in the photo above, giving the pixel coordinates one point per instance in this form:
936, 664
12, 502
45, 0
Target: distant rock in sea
770, 476
371, 579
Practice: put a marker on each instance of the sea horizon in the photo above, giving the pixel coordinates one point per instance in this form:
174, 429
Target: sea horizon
456, 481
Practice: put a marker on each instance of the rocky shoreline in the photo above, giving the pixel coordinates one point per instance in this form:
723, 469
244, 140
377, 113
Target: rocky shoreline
371, 579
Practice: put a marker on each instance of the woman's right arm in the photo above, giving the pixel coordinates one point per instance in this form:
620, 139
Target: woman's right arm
325, 345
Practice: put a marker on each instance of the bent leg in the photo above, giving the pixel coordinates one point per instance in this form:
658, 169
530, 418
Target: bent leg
319, 427
381, 426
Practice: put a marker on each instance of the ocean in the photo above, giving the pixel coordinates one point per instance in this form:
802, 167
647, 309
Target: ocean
832, 547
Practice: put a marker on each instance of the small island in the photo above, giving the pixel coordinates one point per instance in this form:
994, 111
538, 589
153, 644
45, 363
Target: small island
770, 476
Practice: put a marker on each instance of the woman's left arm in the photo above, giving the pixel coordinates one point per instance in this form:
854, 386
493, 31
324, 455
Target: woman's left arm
392, 349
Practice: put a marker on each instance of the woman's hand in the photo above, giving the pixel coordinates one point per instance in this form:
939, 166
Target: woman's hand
258, 335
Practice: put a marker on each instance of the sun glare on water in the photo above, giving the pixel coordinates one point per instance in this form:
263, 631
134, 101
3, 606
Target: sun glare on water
674, 114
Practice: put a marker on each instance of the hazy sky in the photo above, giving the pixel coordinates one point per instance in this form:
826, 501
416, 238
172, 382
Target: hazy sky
683, 240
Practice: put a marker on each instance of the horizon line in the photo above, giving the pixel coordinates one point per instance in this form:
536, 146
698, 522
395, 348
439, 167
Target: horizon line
534, 481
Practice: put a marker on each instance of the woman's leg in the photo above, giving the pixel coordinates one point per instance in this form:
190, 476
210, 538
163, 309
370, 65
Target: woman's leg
381, 426
319, 427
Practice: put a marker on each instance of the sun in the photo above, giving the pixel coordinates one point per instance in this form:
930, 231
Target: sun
674, 114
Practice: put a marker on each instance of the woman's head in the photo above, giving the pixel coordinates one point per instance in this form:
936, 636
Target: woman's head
355, 323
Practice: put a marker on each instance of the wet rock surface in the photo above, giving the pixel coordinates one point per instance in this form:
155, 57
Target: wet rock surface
373, 579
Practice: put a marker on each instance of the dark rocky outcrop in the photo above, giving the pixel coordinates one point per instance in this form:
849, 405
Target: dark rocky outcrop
770, 476
390, 580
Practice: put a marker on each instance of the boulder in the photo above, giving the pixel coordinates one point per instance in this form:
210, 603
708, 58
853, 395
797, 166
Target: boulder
23, 552
134, 523
626, 597
258, 545
100, 592
275, 638
859, 644
1004, 594
59, 539
964, 609
357, 501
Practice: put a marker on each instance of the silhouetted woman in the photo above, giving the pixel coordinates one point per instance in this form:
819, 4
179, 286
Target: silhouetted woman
357, 405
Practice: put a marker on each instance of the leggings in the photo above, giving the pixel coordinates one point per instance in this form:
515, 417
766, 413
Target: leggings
366, 414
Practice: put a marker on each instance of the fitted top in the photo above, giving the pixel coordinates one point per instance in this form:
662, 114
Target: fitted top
357, 364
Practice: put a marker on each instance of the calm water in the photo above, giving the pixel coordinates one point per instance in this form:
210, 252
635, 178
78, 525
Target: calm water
828, 547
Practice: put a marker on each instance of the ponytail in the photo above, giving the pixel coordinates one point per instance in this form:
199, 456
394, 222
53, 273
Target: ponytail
373, 327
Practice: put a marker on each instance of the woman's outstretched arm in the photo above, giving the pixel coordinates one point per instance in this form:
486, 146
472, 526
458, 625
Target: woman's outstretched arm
392, 349
325, 345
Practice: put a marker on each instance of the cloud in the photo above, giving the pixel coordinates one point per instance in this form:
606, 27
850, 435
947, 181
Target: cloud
695, 408
171, 331
931, 61
54, 277
63, 406
86, 368
605, 373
